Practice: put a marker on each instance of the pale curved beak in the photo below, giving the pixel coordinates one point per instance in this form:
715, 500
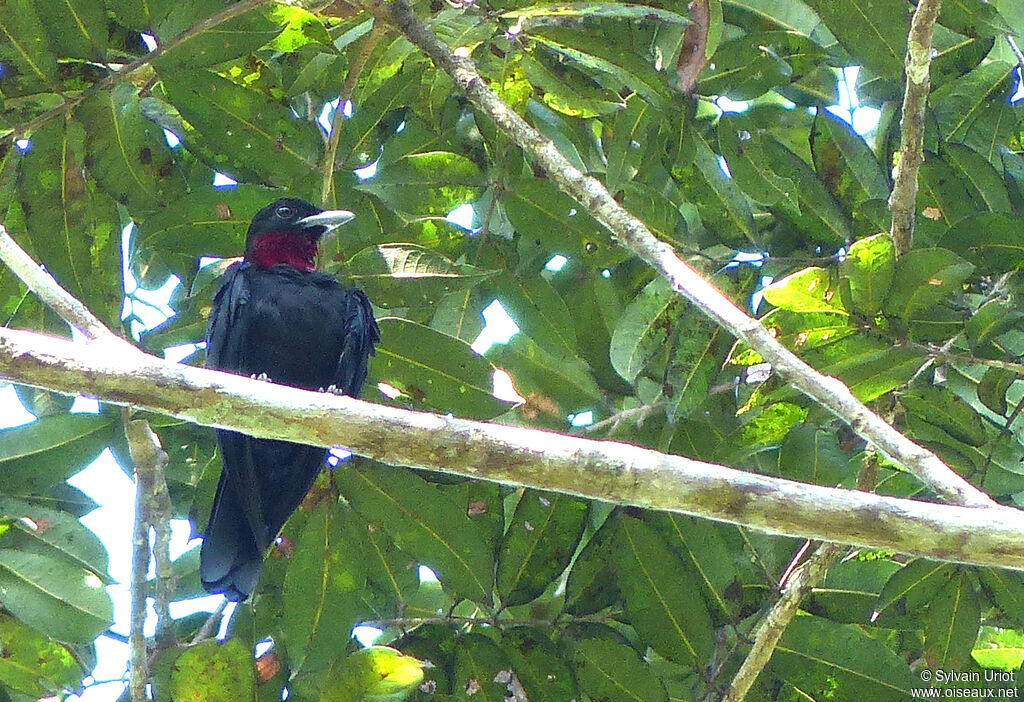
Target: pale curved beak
328, 219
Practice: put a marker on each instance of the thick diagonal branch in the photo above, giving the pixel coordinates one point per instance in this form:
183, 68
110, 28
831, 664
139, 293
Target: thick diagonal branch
602, 470
634, 235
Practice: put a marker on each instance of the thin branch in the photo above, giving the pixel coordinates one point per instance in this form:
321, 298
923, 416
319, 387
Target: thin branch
771, 628
796, 582
903, 199
601, 470
635, 414
209, 628
72, 102
634, 235
46, 288
1016, 51
138, 655
338, 119
693, 56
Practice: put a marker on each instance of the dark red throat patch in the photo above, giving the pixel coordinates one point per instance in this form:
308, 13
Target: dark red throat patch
295, 250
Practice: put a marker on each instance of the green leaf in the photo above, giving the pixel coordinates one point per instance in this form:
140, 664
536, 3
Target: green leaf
541, 212
361, 141
231, 39
51, 532
626, 141
75, 228
959, 103
986, 183
51, 449
606, 56
26, 46
990, 240
478, 666
553, 385
868, 268
301, 27
591, 585
845, 163
658, 589
910, 589
994, 318
873, 31
816, 654
374, 674
435, 370
818, 216
702, 547
751, 167
540, 541
322, 589
924, 277
127, 154
597, 9
214, 671
943, 408
992, 389
725, 207
870, 367
538, 310
644, 328
77, 28
567, 91
427, 184
607, 668
407, 275
53, 596
211, 222
951, 625
807, 290
538, 664
141, 16
748, 67
423, 520
33, 664
389, 570
791, 15
812, 455
244, 127
1005, 588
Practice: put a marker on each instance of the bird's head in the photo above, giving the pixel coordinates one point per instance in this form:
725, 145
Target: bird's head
288, 231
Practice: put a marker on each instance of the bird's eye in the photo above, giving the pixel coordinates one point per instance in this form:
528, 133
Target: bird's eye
284, 212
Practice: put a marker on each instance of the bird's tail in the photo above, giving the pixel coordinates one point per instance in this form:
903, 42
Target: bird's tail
230, 559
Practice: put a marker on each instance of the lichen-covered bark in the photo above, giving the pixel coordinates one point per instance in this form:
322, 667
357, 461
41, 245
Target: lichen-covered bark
603, 470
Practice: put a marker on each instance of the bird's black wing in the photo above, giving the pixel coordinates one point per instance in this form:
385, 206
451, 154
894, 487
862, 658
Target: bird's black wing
238, 505
360, 335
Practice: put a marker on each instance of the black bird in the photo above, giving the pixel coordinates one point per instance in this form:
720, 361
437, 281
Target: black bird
276, 317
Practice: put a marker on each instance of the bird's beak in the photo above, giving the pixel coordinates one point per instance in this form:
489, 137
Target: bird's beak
328, 219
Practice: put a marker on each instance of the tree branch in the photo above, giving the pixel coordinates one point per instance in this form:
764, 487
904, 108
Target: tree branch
46, 288
601, 470
770, 629
903, 198
138, 656
338, 119
634, 235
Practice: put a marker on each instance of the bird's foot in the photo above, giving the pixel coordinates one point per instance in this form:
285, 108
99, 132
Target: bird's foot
261, 376
333, 389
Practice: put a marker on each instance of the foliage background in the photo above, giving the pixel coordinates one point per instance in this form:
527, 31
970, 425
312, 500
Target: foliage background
580, 600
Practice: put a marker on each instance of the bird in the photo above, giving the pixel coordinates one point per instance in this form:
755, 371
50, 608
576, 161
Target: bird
276, 318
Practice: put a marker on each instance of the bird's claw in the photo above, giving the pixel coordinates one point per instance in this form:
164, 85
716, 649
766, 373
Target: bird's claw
261, 376
333, 389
